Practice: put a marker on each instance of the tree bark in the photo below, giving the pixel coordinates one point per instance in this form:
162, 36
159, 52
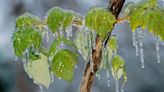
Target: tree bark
115, 7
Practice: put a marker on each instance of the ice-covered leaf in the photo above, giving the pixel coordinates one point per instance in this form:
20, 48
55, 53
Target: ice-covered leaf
156, 22
118, 67
68, 18
27, 20
100, 20
55, 17
38, 70
113, 43
82, 44
59, 18
25, 38
63, 64
148, 15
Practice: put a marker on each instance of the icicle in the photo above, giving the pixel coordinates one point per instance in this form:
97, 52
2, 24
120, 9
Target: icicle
47, 37
40, 88
52, 77
134, 39
117, 85
108, 78
136, 42
123, 85
157, 50
141, 33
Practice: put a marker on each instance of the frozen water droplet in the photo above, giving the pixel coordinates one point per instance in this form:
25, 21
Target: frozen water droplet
16, 58
40, 88
76, 66
35, 82
157, 50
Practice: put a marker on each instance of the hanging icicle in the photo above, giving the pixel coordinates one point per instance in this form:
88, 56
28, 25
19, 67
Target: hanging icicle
108, 78
52, 77
116, 83
141, 34
136, 38
157, 50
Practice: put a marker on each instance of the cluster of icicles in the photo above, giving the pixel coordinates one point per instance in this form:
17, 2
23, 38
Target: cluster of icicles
138, 44
84, 39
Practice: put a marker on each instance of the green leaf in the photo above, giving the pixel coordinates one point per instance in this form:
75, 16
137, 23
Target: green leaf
82, 42
113, 43
156, 22
54, 18
68, 18
25, 39
100, 20
63, 64
26, 20
58, 17
39, 71
118, 68
56, 44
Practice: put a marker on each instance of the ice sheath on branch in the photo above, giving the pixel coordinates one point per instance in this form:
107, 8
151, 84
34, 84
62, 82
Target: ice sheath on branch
115, 7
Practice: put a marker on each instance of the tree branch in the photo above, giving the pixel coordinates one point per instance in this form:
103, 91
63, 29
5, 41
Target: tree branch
115, 7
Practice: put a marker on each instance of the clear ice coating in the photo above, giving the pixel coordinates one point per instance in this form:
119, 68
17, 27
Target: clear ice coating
157, 50
69, 32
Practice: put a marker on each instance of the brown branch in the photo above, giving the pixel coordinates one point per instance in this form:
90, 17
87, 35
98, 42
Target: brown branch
115, 7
